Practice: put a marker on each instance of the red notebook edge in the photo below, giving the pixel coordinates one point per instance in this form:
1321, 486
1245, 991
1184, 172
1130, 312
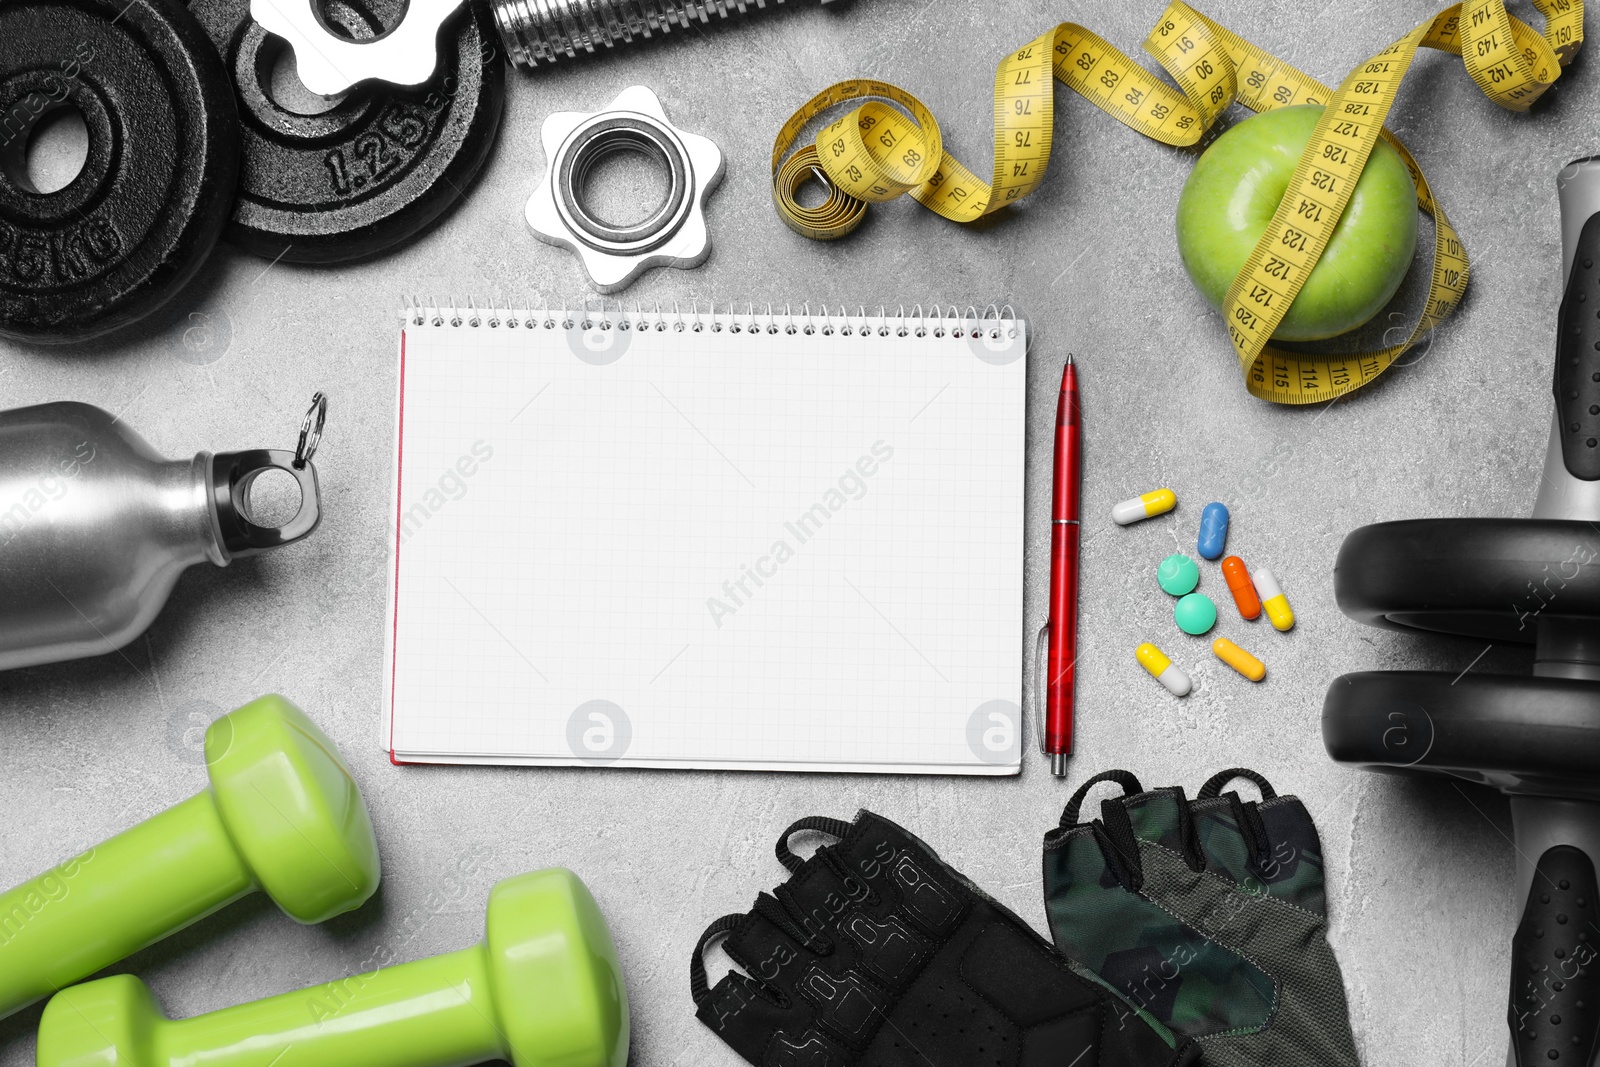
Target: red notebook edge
399, 510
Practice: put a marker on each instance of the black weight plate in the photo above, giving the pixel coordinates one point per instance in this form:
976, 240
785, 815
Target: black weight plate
1488, 578
378, 167
1519, 734
158, 180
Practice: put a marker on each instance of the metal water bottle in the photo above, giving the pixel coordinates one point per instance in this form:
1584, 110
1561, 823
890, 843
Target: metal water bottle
95, 527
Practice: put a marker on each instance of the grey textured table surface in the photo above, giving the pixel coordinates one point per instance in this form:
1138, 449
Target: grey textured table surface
1420, 873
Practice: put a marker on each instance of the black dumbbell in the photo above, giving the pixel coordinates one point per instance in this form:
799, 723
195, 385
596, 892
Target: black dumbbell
1531, 581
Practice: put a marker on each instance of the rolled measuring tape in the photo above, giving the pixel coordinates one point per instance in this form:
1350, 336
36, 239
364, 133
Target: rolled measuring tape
878, 151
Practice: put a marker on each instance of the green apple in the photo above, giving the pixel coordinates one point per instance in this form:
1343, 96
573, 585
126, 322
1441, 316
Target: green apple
1235, 189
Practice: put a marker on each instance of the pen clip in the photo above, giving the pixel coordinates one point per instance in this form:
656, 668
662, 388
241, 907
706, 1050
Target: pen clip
1041, 667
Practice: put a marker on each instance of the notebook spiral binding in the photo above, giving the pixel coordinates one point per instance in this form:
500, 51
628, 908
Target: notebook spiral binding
937, 320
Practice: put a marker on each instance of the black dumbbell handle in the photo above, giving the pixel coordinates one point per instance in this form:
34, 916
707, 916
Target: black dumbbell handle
1577, 377
1554, 980
1554, 1004
1569, 487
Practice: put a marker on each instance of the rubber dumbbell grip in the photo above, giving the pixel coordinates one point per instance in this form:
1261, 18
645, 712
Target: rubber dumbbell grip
436, 1012
1554, 1003
115, 899
1570, 485
1577, 377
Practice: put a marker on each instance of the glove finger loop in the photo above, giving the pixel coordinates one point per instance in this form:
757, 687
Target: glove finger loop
784, 912
1252, 830
1114, 834
1126, 779
1214, 784
699, 987
854, 888
1189, 833
817, 824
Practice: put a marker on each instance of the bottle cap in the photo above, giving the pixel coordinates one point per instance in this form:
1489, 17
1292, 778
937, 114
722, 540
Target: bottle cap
231, 476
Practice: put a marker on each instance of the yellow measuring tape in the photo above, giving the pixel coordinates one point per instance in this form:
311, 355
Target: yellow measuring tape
878, 151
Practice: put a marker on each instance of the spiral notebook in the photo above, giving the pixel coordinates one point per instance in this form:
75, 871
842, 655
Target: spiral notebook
751, 540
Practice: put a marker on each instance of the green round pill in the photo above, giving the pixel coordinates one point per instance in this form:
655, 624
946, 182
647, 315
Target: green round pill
1195, 614
1178, 574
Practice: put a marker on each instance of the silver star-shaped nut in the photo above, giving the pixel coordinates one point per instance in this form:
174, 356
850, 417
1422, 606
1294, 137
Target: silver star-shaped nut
672, 235
329, 65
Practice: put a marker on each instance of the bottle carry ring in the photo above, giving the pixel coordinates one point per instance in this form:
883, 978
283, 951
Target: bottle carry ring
233, 473
311, 430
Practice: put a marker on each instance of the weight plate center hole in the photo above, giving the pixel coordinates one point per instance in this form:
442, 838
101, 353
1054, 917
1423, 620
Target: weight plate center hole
280, 81
625, 183
337, 19
272, 498
49, 155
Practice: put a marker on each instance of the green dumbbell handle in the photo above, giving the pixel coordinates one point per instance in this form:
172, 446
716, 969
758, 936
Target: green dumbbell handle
436, 1012
115, 899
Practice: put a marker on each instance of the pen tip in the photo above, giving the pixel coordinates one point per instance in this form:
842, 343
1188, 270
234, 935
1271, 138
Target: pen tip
1069, 359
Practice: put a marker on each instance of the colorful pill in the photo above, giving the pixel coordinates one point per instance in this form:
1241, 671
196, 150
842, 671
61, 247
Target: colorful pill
1195, 614
1156, 502
1213, 530
1242, 588
1239, 659
1178, 574
1161, 669
1274, 602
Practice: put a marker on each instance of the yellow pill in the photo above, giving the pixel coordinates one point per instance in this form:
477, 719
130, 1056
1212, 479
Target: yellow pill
1162, 670
1239, 659
1273, 602
1156, 502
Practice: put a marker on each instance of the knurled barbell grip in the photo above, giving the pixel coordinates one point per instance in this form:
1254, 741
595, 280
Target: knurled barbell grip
538, 33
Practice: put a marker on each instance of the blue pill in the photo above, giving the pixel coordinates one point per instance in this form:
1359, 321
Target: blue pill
1213, 530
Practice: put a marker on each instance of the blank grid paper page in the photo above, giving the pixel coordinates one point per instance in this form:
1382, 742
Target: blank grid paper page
701, 548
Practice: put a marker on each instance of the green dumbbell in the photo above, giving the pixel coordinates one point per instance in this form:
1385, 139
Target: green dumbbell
542, 990
282, 815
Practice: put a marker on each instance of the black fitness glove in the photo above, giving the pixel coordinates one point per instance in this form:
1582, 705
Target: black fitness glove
874, 952
1207, 916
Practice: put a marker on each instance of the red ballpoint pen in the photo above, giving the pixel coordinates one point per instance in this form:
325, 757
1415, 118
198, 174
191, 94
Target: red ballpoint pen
1064, 536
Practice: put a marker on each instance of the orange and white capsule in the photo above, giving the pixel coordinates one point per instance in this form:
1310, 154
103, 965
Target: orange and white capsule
1273, 602
1156, 502
1237, 575
1239, 659
1162, 669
